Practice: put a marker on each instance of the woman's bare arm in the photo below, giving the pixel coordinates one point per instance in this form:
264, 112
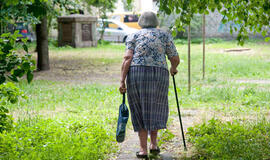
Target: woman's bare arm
175, 60
124, 70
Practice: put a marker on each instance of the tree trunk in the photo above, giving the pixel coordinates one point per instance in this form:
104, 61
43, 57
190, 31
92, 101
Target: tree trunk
102, 29
42, 45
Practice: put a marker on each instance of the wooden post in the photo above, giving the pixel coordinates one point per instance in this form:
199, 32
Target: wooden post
189, 81
203, 36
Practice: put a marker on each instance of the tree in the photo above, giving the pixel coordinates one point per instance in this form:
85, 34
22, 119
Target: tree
36, 12
250, 15
42, 9
127, 6
103, 6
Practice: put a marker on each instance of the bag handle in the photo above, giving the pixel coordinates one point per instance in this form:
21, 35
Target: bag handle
124, 98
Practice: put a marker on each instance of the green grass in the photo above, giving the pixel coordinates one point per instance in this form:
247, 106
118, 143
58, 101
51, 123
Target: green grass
231, 140
67, 119
81, 137
62, 122
254, 64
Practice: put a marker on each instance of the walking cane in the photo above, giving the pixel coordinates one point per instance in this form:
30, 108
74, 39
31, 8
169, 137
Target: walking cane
181, 125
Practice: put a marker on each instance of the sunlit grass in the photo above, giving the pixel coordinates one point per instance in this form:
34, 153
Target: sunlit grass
77, 89
222, 72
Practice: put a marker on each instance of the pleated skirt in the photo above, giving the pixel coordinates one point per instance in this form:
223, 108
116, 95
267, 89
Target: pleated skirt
147, 90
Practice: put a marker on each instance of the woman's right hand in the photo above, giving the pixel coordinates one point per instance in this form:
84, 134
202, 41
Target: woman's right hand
122, 88
173, 71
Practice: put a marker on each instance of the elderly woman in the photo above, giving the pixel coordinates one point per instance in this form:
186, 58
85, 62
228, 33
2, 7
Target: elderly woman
146, 70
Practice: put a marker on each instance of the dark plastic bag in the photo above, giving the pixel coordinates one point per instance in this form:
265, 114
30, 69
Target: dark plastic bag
122, 121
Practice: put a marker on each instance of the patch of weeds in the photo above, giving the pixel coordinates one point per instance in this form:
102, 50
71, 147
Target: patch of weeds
80, 138
165, 135
231, 140
255, 98
102, 42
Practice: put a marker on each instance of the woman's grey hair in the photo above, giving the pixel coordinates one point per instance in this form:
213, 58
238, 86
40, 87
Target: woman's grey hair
148, 20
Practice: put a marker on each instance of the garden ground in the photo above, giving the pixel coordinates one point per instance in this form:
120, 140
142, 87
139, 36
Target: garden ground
77, 101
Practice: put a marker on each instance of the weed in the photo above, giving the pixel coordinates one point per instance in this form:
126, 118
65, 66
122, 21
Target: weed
231, 140
80, 138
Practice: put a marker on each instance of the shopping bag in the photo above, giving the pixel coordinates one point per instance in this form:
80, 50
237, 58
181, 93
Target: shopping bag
122, 121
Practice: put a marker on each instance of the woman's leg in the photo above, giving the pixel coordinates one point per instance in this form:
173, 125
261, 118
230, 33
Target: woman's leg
153, 135
143, 141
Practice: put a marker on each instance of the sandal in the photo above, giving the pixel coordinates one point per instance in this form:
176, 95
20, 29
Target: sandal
155, 151
141, 155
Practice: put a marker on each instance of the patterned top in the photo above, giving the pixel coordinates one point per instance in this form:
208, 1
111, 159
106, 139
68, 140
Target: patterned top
150, 45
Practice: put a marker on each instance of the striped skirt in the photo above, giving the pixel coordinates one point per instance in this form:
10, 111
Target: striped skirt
147, 90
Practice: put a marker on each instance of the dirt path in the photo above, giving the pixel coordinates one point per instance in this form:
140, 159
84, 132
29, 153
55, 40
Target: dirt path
171, 150
131, 146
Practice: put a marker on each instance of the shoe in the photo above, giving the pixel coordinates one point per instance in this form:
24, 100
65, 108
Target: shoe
141, 155
155, 151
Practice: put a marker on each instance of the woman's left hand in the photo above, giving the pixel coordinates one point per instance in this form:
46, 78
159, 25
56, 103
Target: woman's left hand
122, 88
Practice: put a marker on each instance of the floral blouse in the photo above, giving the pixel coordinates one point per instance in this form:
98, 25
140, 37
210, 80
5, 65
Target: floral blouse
150, 46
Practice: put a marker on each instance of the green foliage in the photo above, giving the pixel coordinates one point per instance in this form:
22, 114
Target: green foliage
15, 10
73, 138
251, 16
165, 135
51, 7
167, 21
103, 6
9, 93
30, 11
6, 121
231, 140
127, 6
12, 67
85, 129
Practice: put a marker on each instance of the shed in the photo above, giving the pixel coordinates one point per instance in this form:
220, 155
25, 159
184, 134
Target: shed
77, 31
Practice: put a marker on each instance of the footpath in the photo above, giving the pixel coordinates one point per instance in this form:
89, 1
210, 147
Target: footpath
170, 150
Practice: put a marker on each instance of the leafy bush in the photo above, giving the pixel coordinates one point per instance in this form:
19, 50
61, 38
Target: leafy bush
231, 140
6, 120
8, 93
12, 67
83, 138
